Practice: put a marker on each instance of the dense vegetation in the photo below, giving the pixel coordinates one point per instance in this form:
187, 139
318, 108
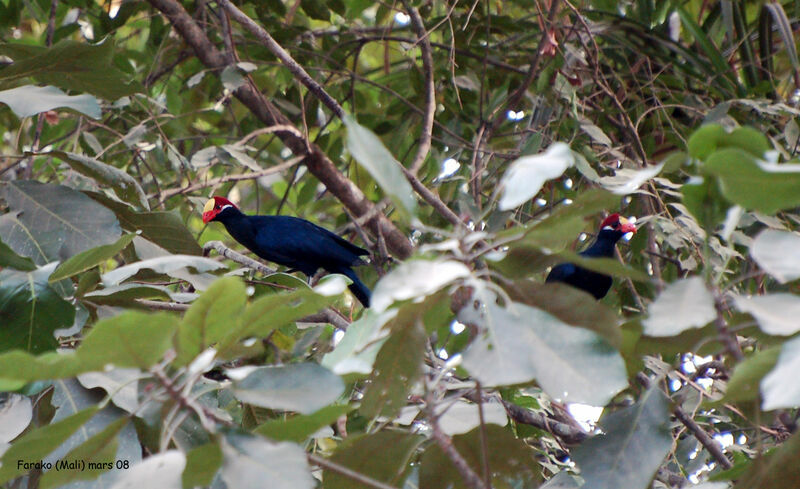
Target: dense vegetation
469, 146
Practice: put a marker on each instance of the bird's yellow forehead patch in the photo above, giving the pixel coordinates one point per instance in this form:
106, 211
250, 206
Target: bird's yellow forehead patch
622, 220
209, 205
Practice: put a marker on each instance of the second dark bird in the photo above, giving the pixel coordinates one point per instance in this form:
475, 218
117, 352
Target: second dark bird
291, 242
597, 284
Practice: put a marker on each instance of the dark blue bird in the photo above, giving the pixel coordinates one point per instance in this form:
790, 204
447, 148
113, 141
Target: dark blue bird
292, 242
597, 284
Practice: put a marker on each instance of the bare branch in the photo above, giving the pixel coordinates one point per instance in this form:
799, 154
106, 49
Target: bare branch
284, 57
430, 90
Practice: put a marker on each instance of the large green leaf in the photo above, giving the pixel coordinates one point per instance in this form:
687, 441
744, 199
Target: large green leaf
370, 152
36, 444
124, 185
519, 343
712, 137
52, 222
210, 317
8, 258
358, 348
131, 339
162, 264
30, 100
778, 469
397, 370
299, 427
30, 311
70, 65
90, 258
359, 454
743, 385
634, 442
301, 387
754, 184
509, 460
164, 228
415, 279
252, 462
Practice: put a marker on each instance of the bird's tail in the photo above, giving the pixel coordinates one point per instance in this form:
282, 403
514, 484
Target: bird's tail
358, 288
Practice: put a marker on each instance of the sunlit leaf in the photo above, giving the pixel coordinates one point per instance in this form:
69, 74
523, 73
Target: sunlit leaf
778, 253
90, 258
250, 462
301, 387
526, 175
520, 343
163, 470
30, 100
777, 314
414, 279
684, 304
780, 388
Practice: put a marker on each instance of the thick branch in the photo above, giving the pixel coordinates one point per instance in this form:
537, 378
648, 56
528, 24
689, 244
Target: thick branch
563, 431
315, 160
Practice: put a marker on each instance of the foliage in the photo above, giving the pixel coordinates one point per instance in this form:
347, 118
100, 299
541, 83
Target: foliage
467, 145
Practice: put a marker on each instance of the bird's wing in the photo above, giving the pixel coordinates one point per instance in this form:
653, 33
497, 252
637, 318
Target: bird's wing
300, 244
561, 272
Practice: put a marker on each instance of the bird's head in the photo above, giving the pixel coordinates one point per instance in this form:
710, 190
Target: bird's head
214, 207
617, 225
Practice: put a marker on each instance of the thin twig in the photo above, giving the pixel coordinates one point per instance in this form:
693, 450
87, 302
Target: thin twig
229, 178
239, 258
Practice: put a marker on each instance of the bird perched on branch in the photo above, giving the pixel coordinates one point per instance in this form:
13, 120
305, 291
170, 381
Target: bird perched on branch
595, 283
290, 241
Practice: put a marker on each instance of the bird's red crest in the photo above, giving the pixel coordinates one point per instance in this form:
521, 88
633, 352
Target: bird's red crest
214, 206
610, 221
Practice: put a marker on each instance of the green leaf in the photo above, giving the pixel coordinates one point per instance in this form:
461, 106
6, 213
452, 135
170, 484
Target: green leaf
209, 318
271, 312
509, 460
34, 445
743, 385
8, 258
316, 9
250, 462
90, 258
163, 470
712, 137
30, 100
131, 339
70, 65
125, 186
780, 388
301, 387
520, 343
753, 184
371, 154
162, 264
359, 347
396, 371
164, 228
202, 464
414, 279
570, 305
126, 294
776, 314
778, 253
359, 454
634, 442
86, 461
299, 427
52, 222
30, 311
778, 469
526, 175
684, 304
